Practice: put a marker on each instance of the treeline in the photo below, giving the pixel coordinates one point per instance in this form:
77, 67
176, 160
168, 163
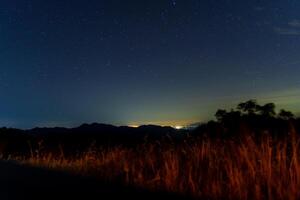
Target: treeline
250, 118
252, 109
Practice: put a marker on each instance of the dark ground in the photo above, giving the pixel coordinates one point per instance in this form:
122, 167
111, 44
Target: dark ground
23, 182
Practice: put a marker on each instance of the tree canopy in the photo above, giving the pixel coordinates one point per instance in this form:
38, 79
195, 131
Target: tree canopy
252, 108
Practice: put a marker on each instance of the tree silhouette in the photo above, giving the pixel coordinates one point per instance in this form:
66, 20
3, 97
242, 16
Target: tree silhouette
249, 107
220, 114
252, 117
267, 110
286, 115
234, 115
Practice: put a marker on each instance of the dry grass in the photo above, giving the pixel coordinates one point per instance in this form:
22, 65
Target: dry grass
246, 169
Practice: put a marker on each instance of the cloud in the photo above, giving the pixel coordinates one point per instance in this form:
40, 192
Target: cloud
287, 31
294, 23
291, 28
259, 8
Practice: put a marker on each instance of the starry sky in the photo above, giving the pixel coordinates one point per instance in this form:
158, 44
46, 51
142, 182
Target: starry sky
131, 62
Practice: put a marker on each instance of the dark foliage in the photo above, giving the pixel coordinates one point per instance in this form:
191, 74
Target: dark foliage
250, 118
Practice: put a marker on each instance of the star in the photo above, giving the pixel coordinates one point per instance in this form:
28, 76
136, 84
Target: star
174, 3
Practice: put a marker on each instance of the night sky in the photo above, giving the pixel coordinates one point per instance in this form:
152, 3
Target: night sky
130, 62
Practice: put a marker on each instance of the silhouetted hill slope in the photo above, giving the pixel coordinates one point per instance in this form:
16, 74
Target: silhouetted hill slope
82, 137
234, 127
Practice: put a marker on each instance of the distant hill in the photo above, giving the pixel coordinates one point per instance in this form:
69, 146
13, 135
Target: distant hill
82, 137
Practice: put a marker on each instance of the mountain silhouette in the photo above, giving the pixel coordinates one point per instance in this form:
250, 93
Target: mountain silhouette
82, 137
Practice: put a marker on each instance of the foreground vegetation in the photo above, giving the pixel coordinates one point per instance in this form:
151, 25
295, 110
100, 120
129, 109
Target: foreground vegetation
245, 169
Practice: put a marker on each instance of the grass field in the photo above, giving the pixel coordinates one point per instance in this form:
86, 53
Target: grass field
243, 169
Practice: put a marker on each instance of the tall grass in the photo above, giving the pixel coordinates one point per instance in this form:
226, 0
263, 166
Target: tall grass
267, 168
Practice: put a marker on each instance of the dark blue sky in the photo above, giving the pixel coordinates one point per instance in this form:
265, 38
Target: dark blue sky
169, 62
